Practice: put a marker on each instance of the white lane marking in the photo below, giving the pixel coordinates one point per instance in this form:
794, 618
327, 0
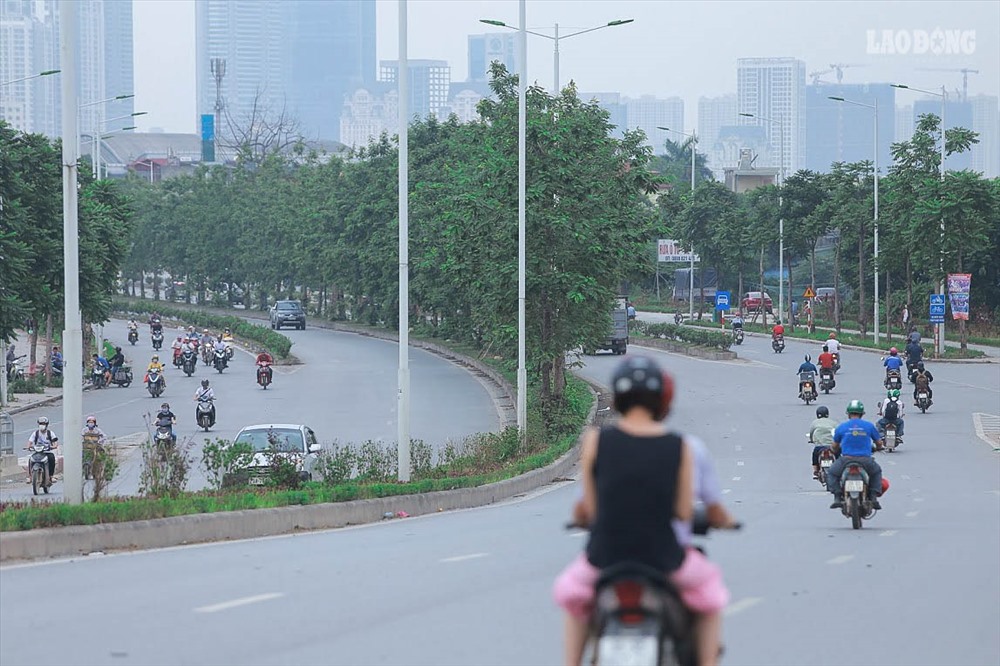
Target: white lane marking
741, 605
918, 499
236, 603
462, 558
905, 477
726, 491
887, 533
737, 478
739, 463
840, 559
912, 514
739, 447
988, 428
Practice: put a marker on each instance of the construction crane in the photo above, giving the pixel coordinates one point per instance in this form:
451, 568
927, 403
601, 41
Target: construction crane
840, 67
815, 76
965, 76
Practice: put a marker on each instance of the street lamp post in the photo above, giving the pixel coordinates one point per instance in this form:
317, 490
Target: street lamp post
403, 403
555, 39
94, 103
96, 155
48, 72
944, 99
694, 142
781, 213
874, 108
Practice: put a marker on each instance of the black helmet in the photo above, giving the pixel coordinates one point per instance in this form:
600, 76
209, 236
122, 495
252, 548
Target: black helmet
165, 405
639, 382
920, 365
118, 349
808, 358
822, 412
204, 383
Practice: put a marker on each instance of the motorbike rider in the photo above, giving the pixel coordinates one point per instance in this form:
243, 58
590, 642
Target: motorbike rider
262, 359
102, 363
205, 394
133, 325
92, 432
637, 477
166, 419
737, 322
42, 435
178, 346
821, 435
914, 355
833, 343
853, 440
778, 331
11, 357
826, 359
154, 364
116, 361
807, 366
891, 411
892, 363
56, 360
922, 382
914, 335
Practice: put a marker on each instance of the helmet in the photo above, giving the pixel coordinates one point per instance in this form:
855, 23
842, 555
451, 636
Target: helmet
91, 417
180, 337
808, 358
893, 351
226, 331
206, 331
191, 329
777, 322
165, 405
822, 412
118, 349
832, 336
638, 381
825, 348
893, 393
856, 407
920, 365
156, 357
204, 383
43, 420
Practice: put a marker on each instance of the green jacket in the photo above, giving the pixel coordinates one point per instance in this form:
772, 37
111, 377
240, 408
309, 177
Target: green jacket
821, 431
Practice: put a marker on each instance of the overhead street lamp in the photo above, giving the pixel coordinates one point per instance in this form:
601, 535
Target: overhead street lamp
694, 142
781, 214
96, 154
555, 39
403, 374
874, 108
48, 72
944, 99
97, 130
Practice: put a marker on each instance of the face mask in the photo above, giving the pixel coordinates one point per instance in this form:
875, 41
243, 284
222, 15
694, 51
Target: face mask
91, 425
42, 427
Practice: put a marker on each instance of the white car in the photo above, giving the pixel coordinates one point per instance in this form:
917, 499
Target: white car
297, 441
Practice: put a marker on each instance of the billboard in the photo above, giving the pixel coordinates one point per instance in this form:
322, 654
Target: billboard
669, 251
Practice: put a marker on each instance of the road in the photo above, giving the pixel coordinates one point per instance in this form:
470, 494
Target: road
919, 584
345, 389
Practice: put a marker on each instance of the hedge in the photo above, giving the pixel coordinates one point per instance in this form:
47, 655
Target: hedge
713, 339
273, 341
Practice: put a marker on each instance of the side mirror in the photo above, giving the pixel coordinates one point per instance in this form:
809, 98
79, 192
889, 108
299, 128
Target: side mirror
315, 448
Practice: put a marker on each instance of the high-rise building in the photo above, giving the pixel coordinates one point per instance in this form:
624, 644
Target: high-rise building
842, 132
300, 57
775, 88
648, 112
714, 113
957, 114
17, 61
429, 84
904, 123
986, 121
487, 48
612, 103
119, 77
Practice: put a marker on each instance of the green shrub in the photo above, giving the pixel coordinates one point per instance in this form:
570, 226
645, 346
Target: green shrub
702, 337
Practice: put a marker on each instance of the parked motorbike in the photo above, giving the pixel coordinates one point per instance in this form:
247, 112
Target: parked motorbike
826, 380
807, 386
189, 360
264, 375
15, 369
893, 380
38, 466
220, 362
639, 618
857, 506
204, 414
154, 383
157, 338
778, 344
98, 376
133, 336
122, 376
826, 458
924, 401
738, 336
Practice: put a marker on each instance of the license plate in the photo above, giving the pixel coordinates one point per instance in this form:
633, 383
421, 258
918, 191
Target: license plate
854, 486
627, 650
256, 480
923, 396
826, 463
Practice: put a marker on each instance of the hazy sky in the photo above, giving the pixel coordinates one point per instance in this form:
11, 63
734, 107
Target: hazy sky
674, 48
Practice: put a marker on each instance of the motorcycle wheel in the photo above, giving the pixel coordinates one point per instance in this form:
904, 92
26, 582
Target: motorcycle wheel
86, 471
855, 511
36, 480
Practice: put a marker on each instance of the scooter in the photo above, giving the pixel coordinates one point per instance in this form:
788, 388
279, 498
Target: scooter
98, 376
924, 401
220, 361
264, 374
893, 380
133, 336
826, 380
38, 466
857, 505
154, 383
92, 448
122, 376
738, 336
826, 458
189, 360
157, 338
890, 439
778, 344
807, 386
836, 362
204, 415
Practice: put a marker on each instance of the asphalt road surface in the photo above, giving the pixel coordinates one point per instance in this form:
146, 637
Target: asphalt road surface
345, 390
918, 585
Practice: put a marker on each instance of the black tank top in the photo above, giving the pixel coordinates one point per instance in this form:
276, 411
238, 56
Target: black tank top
636, 480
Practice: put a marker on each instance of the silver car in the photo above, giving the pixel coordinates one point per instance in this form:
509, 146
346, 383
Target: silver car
298, 442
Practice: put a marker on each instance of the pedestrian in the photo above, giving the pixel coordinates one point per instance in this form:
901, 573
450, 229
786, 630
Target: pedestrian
630, 310
905, 316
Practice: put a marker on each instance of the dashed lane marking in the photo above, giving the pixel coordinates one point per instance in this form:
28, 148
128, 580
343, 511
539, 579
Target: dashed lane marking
912, 514
887, 532
988, 428
235, 603
737, 478
739, 463
462, 558
741, 605
840, 559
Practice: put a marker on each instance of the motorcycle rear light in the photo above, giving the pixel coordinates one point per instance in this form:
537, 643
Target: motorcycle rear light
629, 594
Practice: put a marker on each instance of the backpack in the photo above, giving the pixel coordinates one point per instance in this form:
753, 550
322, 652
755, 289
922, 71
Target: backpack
921, 381
891, 410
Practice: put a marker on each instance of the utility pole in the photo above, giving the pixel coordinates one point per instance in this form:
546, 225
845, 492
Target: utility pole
219, 72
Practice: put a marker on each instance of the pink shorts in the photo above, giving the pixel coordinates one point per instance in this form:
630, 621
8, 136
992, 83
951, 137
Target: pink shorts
698, 581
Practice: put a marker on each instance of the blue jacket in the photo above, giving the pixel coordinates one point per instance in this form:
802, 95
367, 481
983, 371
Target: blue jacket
893, 363
807, 367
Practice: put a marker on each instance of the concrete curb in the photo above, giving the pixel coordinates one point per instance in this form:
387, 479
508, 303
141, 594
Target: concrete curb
233, 525
681, 348
986, 359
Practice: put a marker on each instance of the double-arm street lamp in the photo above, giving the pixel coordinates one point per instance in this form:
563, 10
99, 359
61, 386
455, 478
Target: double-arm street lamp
48, 72
97, 130
874, 108
555, 40
944, 100
96, 155
694, 142
781, 213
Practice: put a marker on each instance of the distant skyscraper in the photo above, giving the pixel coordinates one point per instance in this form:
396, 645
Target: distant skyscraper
775, 88
119, 78
484, 49
840, 132
17, 61
302, 57
430, 84
612, 103
904, 123
986, 121
957, 114
648, 112
714, 113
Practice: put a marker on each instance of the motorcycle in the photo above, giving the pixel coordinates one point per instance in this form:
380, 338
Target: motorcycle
204, 415
98, 376
189, 360
38, 466
738, 336
911, 368
826, 380
807, 386
133, 336
229, 348
826, 458
639, 618
778, 344
163, 440
220, 361
122, 376
154, 383
264, 375
14, 369
923, 400
206, 354
857, 505
836, 362
889, 437
678, 318
157, 338
91, 449
893, 380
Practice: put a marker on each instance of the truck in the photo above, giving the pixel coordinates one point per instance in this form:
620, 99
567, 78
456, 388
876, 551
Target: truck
617, 340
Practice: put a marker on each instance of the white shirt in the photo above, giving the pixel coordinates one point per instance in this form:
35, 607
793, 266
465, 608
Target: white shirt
882, 404
833, 345
205, 394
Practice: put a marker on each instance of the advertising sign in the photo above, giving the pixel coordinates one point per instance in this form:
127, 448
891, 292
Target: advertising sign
958, 291
669, 251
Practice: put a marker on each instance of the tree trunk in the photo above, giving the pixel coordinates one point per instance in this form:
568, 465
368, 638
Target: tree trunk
888, 308
762, 310
156, 285
48, 349
32, 347
812, 283
791, 292
909, 290
862, 312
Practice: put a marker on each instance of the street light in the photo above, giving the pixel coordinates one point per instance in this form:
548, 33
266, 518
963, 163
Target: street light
98, 128
48, 72
96, 155
694, 141
874, 107
944, 99
781, 215
555, 39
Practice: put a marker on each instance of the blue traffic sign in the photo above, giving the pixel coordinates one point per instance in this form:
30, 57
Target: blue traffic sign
937, 299
937, 306
722, 300
937, 318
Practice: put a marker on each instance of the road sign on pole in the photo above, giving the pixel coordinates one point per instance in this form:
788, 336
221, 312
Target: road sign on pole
722, 300
809, 293
937, 308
